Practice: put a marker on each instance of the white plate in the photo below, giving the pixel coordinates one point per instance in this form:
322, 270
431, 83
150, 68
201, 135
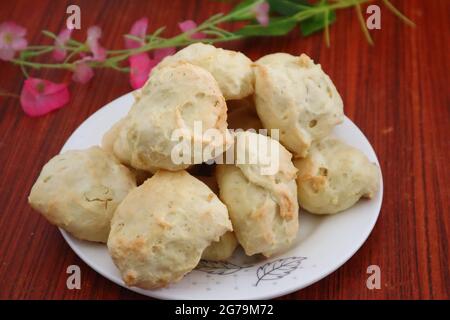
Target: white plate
324, 243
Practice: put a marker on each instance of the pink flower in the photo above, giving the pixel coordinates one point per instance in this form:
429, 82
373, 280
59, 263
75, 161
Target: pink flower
140, 67
12, 39
40, 96
189, 25
262, 13
82, 73
141, 64
93, 34
139, 29
59, 53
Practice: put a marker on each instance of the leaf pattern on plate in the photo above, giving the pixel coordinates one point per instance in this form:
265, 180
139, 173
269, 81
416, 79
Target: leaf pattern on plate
278, 269
219, 267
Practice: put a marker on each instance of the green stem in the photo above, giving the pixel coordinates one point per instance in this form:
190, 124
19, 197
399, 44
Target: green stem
9, 94
24, 71
208, 27
184, 39
397, 12
327, 29
38, 47
312, 11
78, 50
362, 22
38, 65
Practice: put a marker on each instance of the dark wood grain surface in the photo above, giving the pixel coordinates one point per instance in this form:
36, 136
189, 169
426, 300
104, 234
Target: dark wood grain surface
397, 92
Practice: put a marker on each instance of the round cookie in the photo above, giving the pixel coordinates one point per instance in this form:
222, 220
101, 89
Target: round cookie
221, 250
162, 227
232, 70
176, 107
294, 95
262, 203
79, 191
334, 176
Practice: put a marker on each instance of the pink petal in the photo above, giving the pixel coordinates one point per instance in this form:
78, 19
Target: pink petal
13, 28
19, 44
64, 35
99, 53
189, 25
93, 34
59, 53
139, 29
12, 39
263, 20
140, 67
160, 54
39, 96
262, 13
82, 73
7, 54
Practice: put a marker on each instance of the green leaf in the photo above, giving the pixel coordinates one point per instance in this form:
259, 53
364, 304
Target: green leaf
317, 23
276, 27
287, 7
23, 55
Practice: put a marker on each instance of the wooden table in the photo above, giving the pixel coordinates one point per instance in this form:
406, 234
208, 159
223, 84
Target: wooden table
397, 92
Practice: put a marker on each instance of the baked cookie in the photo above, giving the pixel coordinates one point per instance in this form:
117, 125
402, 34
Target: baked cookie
79, 191
178, 104
160, 230
221, 250
231, 69
334, 176
261, 195
108, 144
294, 95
